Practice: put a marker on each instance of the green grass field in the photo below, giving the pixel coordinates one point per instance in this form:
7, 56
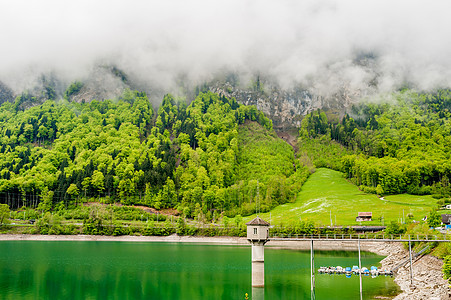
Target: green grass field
327, 196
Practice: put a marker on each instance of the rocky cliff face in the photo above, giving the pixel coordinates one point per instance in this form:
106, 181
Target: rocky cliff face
287, 107
6, 94
102, 83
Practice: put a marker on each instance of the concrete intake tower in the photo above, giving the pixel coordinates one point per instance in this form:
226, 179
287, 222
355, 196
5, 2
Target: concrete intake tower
258, 235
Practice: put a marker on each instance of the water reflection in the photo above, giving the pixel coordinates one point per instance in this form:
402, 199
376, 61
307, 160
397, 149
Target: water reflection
258, 293
312, 294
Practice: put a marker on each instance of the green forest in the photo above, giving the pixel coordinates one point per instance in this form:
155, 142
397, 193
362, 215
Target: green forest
211, 157
400, 144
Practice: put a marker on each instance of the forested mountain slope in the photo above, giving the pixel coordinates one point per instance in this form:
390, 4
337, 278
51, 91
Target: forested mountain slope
196, 158
400, 144
215, 155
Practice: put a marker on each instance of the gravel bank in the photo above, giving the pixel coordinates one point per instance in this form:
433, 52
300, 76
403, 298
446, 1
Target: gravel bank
428, 282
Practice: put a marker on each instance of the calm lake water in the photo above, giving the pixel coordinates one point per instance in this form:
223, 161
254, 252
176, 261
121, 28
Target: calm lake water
139, 270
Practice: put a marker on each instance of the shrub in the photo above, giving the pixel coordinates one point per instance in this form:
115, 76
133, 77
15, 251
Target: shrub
447, 267
395, 228
434, 219
49, 224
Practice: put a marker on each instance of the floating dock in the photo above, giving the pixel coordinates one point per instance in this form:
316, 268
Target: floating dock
373, 271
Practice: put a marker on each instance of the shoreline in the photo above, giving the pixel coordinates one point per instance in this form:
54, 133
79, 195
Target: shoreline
428, 282
127, 238
427, 276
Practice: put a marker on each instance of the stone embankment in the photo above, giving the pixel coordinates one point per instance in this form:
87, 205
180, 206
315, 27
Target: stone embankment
428, 282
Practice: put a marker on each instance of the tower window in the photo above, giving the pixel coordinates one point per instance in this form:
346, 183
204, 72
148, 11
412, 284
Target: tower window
255, 230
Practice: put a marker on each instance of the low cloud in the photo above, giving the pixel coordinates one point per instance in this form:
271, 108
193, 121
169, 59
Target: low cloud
324, 44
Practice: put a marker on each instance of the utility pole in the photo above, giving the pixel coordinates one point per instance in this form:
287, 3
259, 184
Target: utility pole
410, 256
312, 270
360, 271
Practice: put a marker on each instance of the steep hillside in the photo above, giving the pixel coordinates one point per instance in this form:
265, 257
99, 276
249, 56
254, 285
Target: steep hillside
189, 157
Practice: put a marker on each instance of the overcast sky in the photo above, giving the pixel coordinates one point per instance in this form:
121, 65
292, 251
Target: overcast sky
314, 42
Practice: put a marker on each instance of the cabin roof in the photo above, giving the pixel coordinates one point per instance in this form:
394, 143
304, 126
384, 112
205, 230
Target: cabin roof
365, 214
258, 221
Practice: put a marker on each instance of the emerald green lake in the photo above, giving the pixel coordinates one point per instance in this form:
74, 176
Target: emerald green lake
144, 270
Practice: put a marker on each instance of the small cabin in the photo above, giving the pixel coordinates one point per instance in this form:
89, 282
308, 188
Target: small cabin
257, 230
364, 216
446, 219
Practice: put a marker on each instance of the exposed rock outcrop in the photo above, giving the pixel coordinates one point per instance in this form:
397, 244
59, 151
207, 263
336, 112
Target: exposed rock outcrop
103, 83
6, 94
286, 108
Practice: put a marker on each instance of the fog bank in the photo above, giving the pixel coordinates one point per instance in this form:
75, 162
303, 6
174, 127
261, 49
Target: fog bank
376, 45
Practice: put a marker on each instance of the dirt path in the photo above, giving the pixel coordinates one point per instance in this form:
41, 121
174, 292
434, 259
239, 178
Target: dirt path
167, 211
290, 138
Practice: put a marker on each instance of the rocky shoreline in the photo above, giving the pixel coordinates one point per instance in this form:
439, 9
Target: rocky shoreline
428, 282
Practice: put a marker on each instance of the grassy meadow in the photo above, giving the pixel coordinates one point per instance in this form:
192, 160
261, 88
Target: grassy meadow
327, 197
